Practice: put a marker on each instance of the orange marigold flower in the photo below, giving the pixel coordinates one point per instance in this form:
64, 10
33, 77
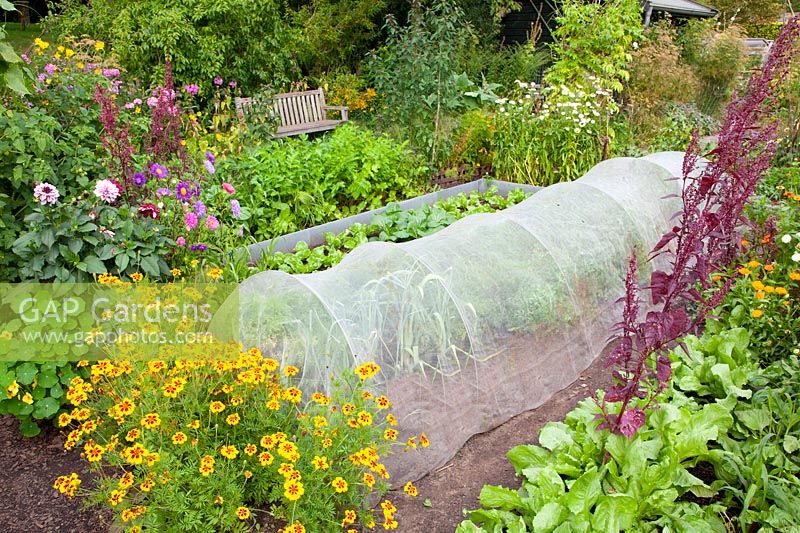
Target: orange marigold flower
744, 271
756, 313
782, 291
769, 268
794, 276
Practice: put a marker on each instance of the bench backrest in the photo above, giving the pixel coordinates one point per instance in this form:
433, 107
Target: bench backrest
292, 108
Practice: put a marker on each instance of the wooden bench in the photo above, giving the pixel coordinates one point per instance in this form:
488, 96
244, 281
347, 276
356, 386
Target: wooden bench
301, 112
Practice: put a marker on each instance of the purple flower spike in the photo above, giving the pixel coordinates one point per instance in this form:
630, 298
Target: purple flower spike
211, 157
236, 209
209, 166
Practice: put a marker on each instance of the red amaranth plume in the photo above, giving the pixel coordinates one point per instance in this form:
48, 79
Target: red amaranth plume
115, 138
165, 123
705, 241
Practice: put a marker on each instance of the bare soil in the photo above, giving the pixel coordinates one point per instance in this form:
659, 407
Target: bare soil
28, 467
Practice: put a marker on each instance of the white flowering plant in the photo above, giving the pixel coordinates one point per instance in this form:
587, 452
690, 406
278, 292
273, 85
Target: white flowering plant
551, 134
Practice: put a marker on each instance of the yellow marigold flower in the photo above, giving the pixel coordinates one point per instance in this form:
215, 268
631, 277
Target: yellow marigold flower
367, 370
327, 443
250, 449
794, 276
206, 469
146, 485
781, 291
151, 420
320, 398
756, 313
136, 277
388, 507
93, 452
179, 438
233, 419
757, 285
320, 421
352, 423
280, 436
247, 474
410, 489
134, 454
268, 442
265, 458
293, 490
367, 395
753, 264
290, 371
391, 419
412, 442
216, 407
744, 271
126, 480
348, 409
364, 418
769, 288
228, 451
369, 479
759, 295
99, 45
423, 440
242, 513
293, 395
769, 268
215, 273
383, 402
64, 419
349, 517
116, 497
125, 407
339, 485
296, 527
273, 405
390, 523
176, 272
320, 462
390, 434
132, 435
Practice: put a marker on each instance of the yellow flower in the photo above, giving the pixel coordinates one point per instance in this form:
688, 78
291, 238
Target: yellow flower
410, 489
179, 438
391, 419
229, 451
242, 513
27, 398
744, 271
116, 497
216, 407
781, 291
423, 440
265, 458
99, 45
136, 277
151, 420
770, 289
364, 418
215, 273
232, 419
339, 485
390, 434
757, 285
369, 479
250, 449
293, 395
176, 272
349, 517
293, 490
320, 462
290, 371
756, 313
367, 370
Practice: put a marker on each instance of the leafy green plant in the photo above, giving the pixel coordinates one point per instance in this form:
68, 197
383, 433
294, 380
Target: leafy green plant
12, 74
242, 40
34, 391
415, 73
297, 183
393, 225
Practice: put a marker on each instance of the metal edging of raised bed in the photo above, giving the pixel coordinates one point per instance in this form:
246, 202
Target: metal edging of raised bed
316, 236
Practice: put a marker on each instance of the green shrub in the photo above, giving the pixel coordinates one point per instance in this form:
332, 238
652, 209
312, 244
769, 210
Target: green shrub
297, 183
415, 76
243, 40
504, 65
33, 391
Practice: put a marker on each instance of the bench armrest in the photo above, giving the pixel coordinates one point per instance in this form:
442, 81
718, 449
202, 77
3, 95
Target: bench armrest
340, 108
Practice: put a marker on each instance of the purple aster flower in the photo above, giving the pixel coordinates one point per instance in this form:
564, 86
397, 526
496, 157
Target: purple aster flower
110, 72
236, 209
192, 89
158, 170
139, 179
232, 84
191, 220
184, 191
50, 68
210, 157
218, 81
212, 223
198, 247
209, 166
181, 241
199, 208
163, 191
